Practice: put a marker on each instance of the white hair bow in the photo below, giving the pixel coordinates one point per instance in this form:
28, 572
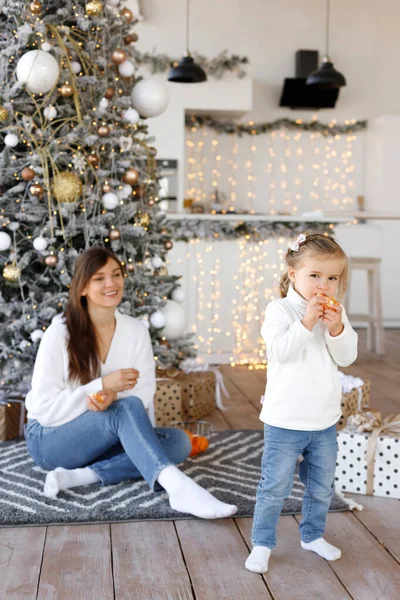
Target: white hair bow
296, 245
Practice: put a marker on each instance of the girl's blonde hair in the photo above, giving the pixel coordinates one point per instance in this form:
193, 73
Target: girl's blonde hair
316, 244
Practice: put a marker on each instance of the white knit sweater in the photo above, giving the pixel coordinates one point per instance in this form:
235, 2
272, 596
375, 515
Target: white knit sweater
54, 399
303, 389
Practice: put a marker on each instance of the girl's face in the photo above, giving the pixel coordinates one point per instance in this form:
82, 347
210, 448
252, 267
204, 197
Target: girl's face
105, 287
317, 275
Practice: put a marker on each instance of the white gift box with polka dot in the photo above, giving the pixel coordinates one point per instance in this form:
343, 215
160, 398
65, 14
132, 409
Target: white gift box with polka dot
351, 466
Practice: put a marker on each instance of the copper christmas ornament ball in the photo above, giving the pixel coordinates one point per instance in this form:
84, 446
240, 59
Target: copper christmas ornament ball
131, 176
36, 190
106, 188
51, 260
118, 56
168, 245
114, 234
103, 131
109, 93
27, 174
127, 14
93, 160
129, 39
66, 90
35, 8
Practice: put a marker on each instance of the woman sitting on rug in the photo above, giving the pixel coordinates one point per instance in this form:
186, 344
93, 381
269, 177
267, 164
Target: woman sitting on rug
93, 380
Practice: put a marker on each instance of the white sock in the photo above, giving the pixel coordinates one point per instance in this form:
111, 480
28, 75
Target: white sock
258, 559
185, 495
323, 548
61, 479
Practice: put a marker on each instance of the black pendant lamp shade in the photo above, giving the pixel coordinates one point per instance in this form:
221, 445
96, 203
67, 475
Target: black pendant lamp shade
187, 71
326, 77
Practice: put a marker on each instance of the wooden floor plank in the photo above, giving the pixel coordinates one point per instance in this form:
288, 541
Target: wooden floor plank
294, 573
148, 563
77, 564
381, 516
21, 552
366, 569
215, 554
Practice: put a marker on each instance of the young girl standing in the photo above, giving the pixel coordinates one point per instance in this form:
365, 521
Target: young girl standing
306, 341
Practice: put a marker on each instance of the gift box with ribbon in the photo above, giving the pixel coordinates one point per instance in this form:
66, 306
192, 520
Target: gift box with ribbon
355, 397
202, 386
368, 455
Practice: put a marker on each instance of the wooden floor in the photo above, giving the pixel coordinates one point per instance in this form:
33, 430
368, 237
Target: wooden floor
205, 560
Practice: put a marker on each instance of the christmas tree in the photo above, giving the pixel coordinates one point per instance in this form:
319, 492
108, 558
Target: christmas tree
77, 169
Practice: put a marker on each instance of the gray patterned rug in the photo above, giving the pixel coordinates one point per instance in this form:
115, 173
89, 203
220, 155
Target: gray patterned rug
230, 469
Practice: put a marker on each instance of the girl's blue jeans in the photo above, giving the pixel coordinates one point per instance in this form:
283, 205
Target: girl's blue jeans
282, 448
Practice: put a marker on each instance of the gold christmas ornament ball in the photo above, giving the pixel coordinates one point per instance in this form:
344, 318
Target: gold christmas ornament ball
11, 273
106, 188
66, 90
35, 8
66, 187
164, 231
93, 160
129, 39
109, 93
130, 267
142, 219
94, 8
162, 271
103, 131
131, 176
51, 260
118, 56
36, 190
127, 14
152, 151
114, 234
168, 245
3, 114
27, 174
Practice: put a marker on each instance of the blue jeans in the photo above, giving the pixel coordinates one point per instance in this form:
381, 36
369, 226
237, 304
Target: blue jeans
118, 443
282, 448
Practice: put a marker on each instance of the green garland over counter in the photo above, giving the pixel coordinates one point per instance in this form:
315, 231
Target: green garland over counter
250, 128
191, 229
215, 67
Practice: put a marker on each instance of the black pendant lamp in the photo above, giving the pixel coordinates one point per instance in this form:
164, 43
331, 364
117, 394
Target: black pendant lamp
326, 76
187, 71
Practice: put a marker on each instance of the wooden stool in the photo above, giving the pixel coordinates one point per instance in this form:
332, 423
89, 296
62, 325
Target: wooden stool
375, 333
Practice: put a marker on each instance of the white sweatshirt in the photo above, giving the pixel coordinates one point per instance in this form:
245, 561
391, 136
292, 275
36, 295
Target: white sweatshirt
54, 399
303, 389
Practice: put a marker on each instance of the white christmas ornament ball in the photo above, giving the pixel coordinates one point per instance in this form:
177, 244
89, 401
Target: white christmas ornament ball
149, 97
5, 240
37, 335
46, 47
40, 243
131, 115
110, 201
157, 319
11, 140
126, 69
104, 103
39, 71
175, 320
178, 295
76, 67
50, 112
157, 262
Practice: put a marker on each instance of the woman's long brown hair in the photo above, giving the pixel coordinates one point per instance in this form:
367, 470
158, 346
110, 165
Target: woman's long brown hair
84, 364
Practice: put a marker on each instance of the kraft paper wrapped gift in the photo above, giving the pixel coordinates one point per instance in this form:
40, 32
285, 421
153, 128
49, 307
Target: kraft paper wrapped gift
12, 418
355, 398
369, 455
167, 401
